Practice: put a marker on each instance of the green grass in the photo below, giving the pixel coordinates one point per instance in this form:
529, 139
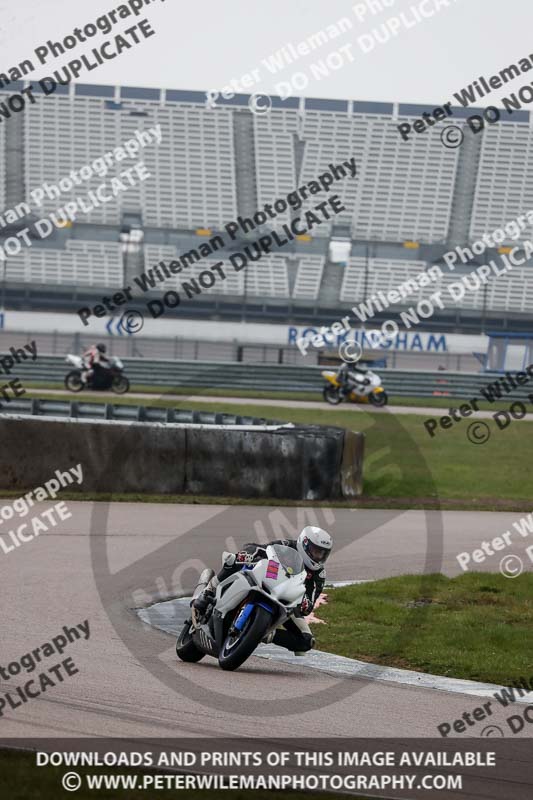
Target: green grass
478, 625
404, 466
161, 391
21, 779
303, 397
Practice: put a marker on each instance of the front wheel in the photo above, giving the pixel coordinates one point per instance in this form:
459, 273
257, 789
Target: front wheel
120, 384
379, 399
73, 381
331, 394
239, 645
185, 647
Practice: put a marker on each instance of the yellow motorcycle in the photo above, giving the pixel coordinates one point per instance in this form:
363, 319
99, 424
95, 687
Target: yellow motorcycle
368, 389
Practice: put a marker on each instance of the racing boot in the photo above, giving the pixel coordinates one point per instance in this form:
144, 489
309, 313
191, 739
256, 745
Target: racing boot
204, 594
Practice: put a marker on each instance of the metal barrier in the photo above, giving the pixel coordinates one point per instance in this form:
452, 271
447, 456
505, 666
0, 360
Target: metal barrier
269, 377
125, 413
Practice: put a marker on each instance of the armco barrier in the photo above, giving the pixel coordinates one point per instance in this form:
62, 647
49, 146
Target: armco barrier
254, 459
269, 377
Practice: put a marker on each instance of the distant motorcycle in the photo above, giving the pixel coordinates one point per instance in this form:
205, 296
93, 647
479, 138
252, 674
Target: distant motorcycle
247, 606
107, 376
368, 389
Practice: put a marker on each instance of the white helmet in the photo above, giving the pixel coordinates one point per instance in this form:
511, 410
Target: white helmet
314, 546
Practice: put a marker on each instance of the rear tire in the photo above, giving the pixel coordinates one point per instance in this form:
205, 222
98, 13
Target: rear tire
73, 381
185, 647
120, 384
253, 633
380, 399
331, 395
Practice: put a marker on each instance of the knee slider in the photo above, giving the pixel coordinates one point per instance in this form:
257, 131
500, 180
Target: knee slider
309, 641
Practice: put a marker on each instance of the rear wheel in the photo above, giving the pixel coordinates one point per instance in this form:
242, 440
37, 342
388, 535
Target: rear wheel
331, 394
73, 381
239, 645
379, 399
120, 384
185, 647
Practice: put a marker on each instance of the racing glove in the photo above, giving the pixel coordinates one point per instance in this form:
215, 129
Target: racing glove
306, 606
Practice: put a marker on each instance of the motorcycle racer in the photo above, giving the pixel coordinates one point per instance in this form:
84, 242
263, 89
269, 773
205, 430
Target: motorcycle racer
350, 376
94, 356
314, 545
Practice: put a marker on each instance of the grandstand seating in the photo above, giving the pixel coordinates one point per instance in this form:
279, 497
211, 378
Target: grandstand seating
81, 263
192, 170
309, 277
504, 187
267, 278
403, 190
511, 292
275, 158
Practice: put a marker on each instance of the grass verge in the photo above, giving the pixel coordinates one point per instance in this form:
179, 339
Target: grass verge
475, 626
399, 503
303, 397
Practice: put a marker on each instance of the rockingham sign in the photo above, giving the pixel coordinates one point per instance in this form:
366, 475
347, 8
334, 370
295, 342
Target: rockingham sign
405, 341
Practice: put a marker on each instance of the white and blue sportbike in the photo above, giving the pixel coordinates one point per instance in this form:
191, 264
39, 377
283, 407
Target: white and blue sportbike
248, 606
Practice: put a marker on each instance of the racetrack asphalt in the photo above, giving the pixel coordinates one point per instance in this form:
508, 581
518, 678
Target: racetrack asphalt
103, 562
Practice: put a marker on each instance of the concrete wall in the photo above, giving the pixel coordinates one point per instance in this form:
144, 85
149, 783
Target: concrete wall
299, 463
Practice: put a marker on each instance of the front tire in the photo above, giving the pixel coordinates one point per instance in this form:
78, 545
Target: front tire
331, 395
379, 400
120, 384
236, 649
73, 381
185, 647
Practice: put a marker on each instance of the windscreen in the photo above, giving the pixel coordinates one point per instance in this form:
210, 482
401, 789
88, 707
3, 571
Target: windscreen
289, 557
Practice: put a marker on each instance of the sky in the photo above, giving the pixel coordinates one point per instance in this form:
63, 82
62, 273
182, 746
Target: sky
203, 45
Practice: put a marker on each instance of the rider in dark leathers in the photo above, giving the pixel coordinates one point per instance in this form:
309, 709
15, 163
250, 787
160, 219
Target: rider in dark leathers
295, 634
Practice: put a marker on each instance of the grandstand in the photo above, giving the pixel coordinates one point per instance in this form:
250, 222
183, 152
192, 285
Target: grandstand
411, 201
